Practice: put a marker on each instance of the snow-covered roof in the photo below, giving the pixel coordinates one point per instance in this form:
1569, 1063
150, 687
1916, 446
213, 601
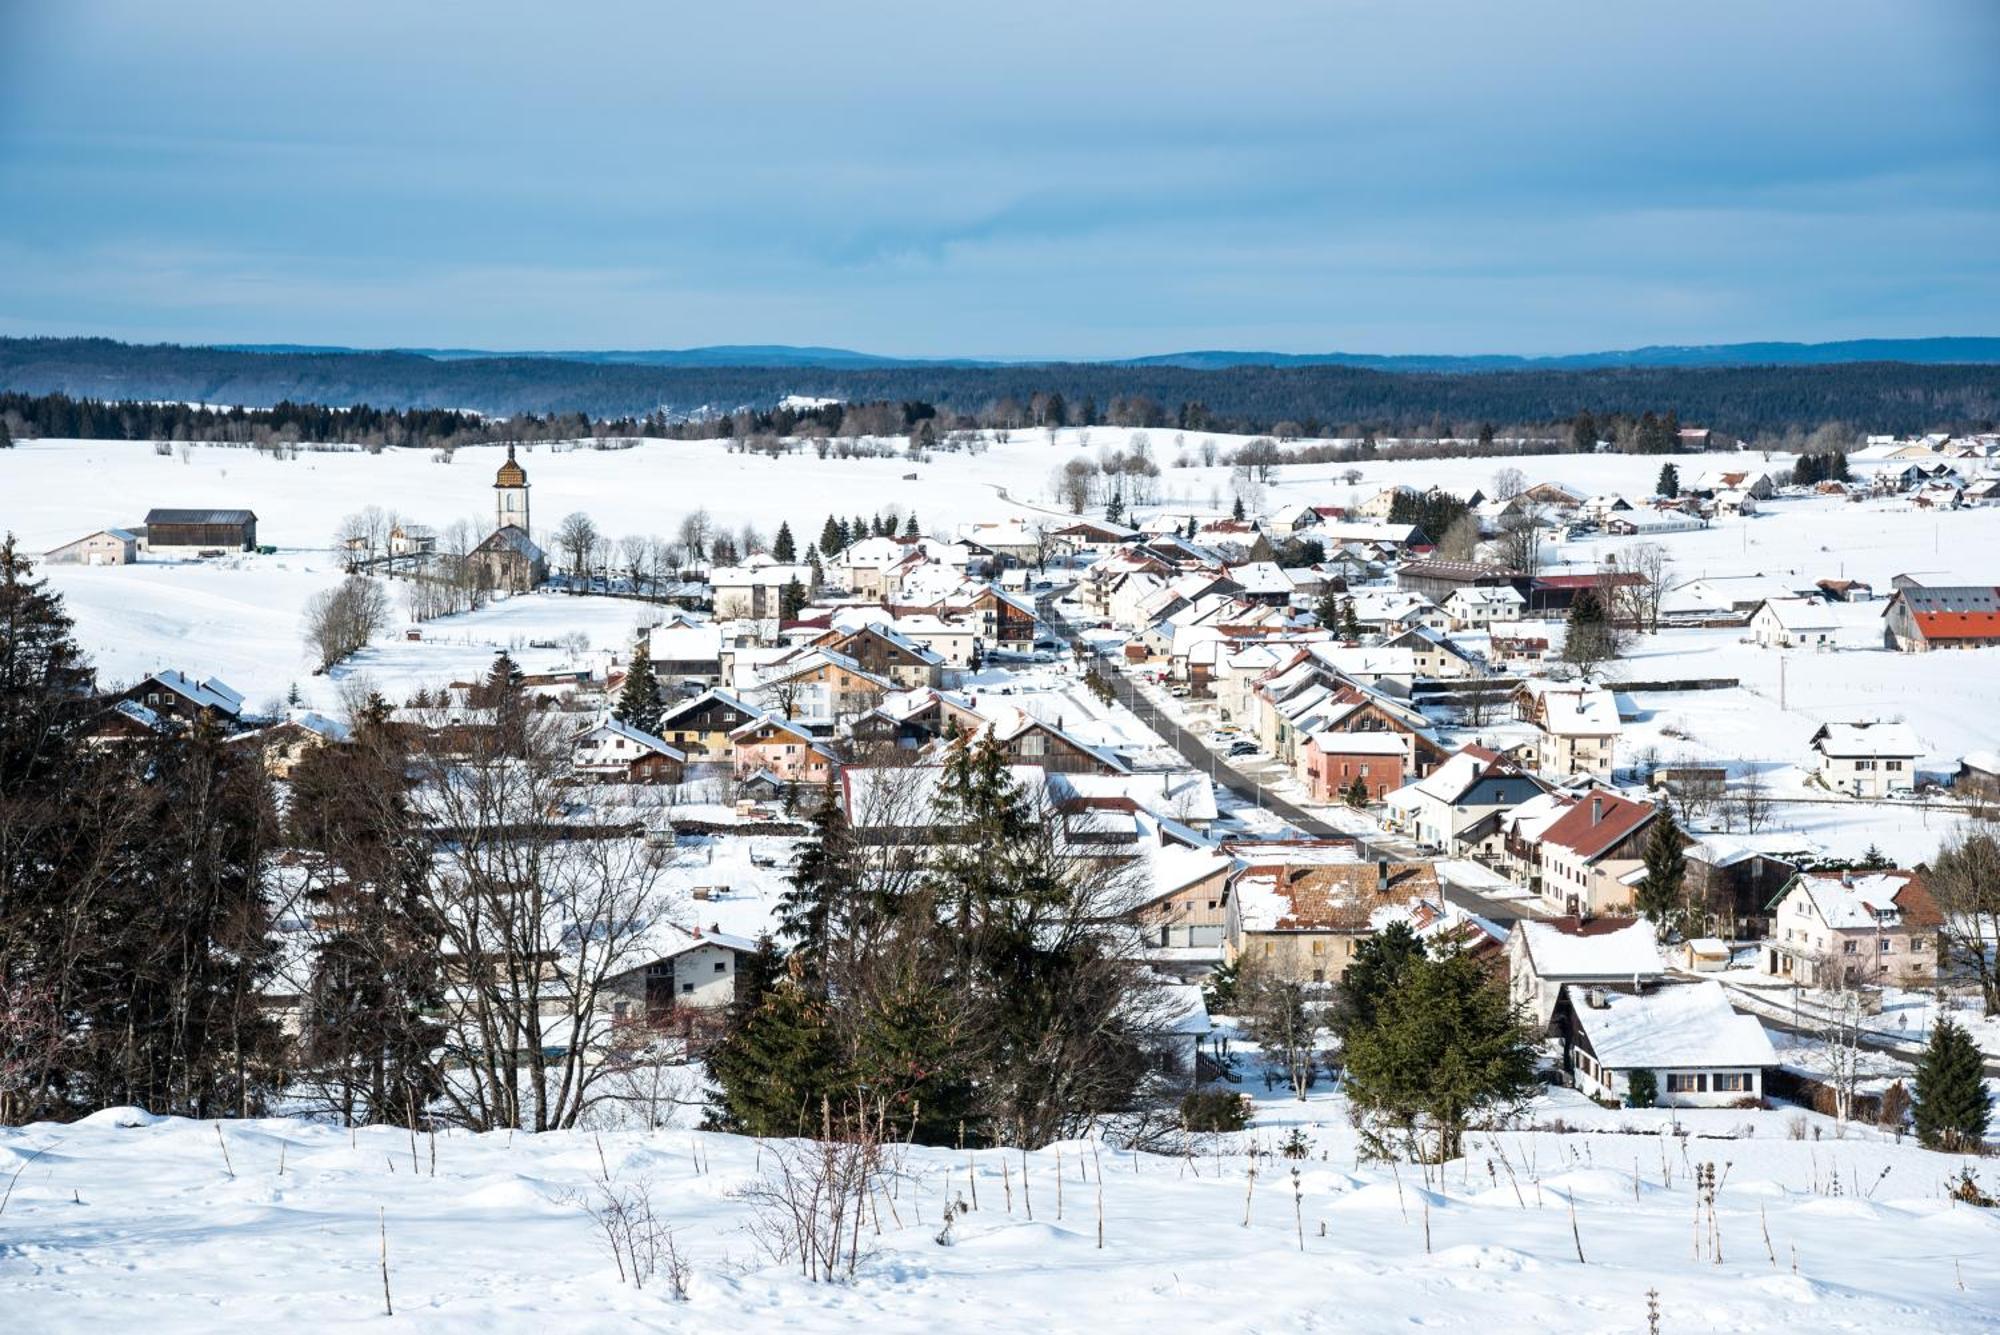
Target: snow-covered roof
1360, 743
1685, 1025
209, 694
1801, 614
1599, 949
1867, 740
1875, 899
1576, 710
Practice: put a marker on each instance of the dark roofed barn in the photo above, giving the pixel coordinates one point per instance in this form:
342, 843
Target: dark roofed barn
201, 530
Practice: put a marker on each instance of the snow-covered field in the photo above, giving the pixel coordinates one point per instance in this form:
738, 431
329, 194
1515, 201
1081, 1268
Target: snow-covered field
124, 1223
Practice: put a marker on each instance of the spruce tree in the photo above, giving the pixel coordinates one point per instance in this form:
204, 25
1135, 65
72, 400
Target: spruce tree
1357, 793
1114, 509
1951, 1109
1588, 637
832, 538
816, 909
1669, 484
910, 527
639, 701
1445, 1051
1327, 610
1661, 891
783, 549
1350, 624
791, 600
1236, 511
1379, 963
1583, 434
6, 436
774, 1069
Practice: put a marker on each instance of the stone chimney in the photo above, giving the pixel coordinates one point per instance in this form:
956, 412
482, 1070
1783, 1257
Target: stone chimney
1381, 876
1596, 810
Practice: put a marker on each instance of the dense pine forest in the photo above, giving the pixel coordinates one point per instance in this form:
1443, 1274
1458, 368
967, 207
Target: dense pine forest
1745, 401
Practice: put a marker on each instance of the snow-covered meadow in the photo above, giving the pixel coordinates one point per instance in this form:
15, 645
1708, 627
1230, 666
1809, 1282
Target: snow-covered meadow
124, 1221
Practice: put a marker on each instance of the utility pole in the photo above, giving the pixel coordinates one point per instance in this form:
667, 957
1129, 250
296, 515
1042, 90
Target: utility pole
1781, 684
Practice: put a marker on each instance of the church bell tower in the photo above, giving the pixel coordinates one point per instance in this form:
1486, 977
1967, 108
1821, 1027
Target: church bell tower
510, 495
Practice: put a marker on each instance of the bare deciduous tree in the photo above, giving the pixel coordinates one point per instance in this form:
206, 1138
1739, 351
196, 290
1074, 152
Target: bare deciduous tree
1964, 879
341, 620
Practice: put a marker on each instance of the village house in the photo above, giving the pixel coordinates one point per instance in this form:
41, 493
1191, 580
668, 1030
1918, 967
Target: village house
1701, 1052
1334, 762
611, 751
701, 728
1025, 739
754, 587
106, 547
1091, 537
685, 649
1587, 851
1546, 955
1732, 879
1921, 617
1793, 623
1850, 929
1304, 922
1477, 607
1576, 725
1871, 760
1183, 917
1978, 777
283, 746
785, 750
176, 698
1458, 802
699, 973
821, 683
1433, 657
884, 652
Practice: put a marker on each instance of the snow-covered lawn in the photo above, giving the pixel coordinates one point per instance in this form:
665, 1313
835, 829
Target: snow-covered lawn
127, 1223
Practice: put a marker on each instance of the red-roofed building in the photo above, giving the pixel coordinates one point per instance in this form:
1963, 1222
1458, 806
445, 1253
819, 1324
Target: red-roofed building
1921, 617
1590, 849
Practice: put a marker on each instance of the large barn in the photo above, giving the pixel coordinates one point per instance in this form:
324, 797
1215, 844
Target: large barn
193, 532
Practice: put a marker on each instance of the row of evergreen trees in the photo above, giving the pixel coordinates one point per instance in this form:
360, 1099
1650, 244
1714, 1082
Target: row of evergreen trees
1825, 466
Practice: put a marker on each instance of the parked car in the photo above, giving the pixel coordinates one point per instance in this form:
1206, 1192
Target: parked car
1243, 749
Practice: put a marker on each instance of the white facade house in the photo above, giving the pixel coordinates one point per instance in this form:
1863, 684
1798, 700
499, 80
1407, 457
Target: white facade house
1866, 759
1702, 1054
1545, 956
1480, 607
1793, 623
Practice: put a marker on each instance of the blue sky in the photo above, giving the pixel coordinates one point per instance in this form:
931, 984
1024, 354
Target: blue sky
1091, 178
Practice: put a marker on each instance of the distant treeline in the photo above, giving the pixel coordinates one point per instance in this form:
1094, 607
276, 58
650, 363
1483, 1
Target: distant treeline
1312, 400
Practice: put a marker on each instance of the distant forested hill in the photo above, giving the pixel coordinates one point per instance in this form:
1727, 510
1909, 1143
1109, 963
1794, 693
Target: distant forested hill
1877, 396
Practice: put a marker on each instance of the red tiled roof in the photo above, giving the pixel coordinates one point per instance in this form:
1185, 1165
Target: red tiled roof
1588, 828
1959, 625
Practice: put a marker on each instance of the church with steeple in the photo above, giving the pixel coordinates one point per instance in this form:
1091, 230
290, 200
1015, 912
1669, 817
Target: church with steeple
509, 559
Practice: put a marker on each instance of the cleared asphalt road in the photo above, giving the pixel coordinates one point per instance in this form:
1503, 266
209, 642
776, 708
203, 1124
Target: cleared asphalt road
1200, 757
